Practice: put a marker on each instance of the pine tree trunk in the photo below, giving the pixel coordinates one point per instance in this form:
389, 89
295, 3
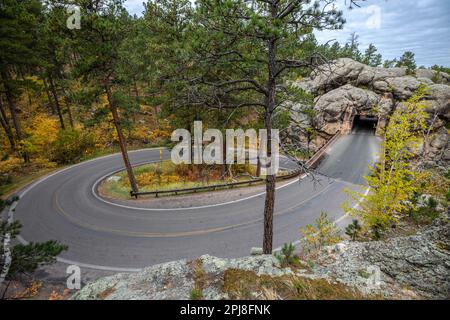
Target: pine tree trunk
122, 142
270, 178
5, 124
224, 158
221, 120
69, 109
66, 98
50, 101
57, 105
258, 166
136, 91
13, 111
69, 112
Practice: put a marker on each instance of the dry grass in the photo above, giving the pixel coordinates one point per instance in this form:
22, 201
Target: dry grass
200, 279
241, 284
30, 291
105, 293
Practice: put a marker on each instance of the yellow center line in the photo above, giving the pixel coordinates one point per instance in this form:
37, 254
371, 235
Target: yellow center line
138, 234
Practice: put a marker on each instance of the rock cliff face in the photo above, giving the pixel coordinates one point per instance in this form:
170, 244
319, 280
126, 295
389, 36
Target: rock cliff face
346, 88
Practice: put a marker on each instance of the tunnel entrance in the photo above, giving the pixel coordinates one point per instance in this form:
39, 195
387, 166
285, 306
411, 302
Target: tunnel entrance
364, 124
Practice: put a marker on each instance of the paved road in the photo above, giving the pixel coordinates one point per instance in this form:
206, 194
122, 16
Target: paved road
100, 234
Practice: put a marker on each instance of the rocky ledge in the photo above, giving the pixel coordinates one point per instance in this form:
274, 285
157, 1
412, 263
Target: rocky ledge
416, 266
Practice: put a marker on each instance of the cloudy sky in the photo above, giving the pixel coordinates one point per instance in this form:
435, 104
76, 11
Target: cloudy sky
394, 26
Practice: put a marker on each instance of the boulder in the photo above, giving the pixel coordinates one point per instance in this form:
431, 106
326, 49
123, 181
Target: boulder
335, 74
433, 76
425, 81
332, 106
439, 97
369, 75
401, 87
441, 139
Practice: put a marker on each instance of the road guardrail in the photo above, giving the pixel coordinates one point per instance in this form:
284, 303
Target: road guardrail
291, 174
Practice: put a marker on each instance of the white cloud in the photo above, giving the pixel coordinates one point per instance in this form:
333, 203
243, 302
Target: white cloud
424, 3
421, 27
135, 6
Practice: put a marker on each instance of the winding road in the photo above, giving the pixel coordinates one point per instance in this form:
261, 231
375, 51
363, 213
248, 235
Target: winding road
107, 236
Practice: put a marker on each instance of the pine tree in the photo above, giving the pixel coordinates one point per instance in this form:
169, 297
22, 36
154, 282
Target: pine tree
18, 20
351, 48
389, 63
242, 50
407, 60
353, 229
106, 26
371, 57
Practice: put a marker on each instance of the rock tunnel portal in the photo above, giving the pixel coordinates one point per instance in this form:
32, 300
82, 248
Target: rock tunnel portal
364, 124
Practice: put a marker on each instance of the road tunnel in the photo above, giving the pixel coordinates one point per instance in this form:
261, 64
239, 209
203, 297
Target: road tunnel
364, 124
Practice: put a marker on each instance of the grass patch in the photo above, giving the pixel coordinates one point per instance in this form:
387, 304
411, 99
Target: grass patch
196, 294
240, 284
200, 280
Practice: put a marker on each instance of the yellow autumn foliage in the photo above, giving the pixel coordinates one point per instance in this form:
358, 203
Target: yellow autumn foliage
41, 135
149, 178
145, 178
9, 165
393, 181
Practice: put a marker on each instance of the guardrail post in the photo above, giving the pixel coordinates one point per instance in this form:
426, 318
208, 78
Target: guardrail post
133, 194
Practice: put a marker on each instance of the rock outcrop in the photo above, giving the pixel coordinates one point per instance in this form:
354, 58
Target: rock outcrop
419, 263
176, 279
346, 88
343, 102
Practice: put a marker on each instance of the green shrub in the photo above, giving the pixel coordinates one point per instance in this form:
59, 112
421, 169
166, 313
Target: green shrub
447, 174
26, 259
324, 233
432, 203
71, 145
196, 294
376, 231
287, 256
353, 229
5, 179
425, 214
